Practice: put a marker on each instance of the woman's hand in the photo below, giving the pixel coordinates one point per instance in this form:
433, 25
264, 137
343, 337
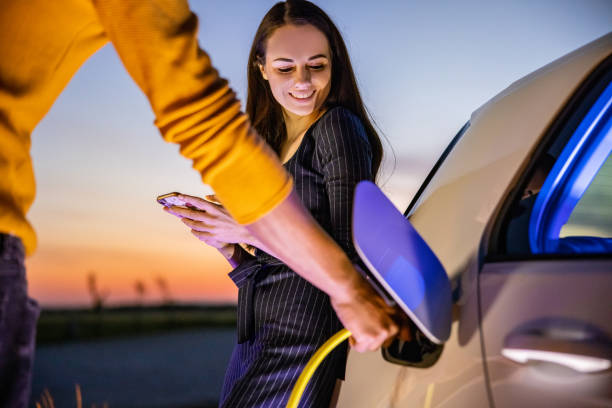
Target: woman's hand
210, 222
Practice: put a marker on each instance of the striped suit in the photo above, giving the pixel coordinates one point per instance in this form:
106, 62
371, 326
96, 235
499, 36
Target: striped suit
282, 318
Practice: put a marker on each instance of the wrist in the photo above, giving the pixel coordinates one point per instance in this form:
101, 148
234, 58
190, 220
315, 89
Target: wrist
227, 251
252, 241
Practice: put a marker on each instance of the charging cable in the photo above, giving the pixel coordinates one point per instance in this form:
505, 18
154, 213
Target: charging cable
313, 363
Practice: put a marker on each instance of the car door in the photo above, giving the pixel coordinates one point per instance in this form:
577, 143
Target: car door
545, 281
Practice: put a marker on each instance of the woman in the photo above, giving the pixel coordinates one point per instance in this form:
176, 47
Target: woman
304, 100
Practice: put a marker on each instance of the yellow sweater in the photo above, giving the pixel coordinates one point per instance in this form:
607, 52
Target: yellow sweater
43, 43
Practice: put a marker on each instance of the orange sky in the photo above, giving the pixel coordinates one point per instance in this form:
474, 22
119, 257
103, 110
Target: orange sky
140, 243
58, 275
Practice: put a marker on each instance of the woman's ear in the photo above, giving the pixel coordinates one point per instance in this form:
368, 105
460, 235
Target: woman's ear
263, 71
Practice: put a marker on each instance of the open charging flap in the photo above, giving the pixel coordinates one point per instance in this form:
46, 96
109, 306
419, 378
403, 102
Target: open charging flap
403, 267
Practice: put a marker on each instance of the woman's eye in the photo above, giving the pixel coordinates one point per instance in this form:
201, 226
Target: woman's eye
284, 70
316, 67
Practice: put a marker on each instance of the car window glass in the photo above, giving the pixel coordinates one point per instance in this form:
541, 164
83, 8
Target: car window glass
592, 216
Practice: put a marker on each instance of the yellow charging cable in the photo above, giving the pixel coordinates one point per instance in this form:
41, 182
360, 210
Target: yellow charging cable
313, 363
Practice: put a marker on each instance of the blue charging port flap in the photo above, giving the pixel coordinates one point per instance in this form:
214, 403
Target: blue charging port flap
402, 262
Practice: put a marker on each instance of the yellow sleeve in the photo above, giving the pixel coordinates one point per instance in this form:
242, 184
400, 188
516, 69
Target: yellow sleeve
194, 107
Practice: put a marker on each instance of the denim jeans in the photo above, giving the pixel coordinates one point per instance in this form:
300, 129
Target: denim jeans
18, 317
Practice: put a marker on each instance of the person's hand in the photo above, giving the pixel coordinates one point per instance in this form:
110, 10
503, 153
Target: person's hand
210, 222
365, 314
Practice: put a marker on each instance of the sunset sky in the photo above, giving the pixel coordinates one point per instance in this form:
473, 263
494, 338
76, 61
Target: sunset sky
423, 67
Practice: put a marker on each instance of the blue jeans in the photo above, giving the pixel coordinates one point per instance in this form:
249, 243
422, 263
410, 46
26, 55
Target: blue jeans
18, 317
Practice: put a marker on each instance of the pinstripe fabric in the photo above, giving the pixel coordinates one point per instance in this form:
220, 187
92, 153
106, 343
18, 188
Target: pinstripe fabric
282, 318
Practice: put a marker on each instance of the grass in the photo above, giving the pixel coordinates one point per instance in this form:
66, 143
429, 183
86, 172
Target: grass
62, 325
46, 401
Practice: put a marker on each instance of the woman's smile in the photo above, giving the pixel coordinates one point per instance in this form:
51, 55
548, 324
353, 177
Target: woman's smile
301, 96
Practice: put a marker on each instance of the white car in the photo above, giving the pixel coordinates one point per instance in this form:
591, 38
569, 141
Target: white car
518, 211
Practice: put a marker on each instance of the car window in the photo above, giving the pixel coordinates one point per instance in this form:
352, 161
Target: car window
564, 203
571, 175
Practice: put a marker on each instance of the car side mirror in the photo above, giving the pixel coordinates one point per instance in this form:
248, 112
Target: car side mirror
402, 262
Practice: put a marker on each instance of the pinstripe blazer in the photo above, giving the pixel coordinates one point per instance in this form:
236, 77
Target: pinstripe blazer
282, 318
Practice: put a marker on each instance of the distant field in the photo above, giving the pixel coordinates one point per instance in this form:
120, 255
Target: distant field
62, 325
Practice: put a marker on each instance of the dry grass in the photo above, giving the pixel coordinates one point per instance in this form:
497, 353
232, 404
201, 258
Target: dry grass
46, 400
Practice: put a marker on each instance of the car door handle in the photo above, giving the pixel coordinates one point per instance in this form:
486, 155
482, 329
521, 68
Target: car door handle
585, 356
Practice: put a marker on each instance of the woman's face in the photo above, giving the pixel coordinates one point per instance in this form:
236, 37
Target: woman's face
298, 68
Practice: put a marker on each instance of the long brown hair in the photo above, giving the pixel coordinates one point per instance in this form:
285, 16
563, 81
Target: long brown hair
266, 113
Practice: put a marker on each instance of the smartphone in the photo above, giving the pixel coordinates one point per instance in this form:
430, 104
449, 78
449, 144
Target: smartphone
171, 199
